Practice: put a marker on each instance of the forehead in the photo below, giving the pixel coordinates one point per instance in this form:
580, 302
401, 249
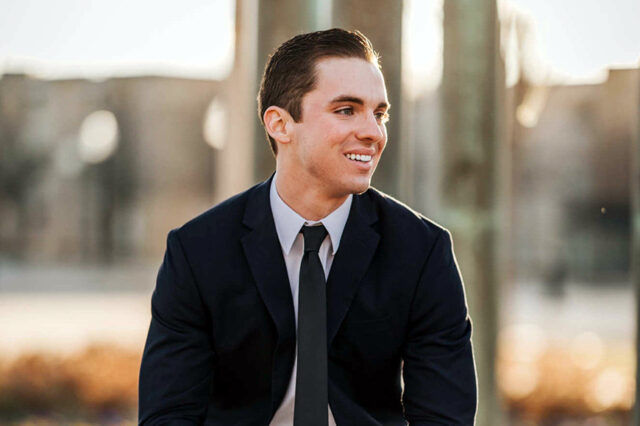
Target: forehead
348, 77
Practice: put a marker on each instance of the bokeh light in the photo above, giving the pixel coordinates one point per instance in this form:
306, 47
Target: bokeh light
98, 137
214, 126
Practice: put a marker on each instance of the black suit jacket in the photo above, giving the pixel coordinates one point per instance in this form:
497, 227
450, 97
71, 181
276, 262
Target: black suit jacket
222, 338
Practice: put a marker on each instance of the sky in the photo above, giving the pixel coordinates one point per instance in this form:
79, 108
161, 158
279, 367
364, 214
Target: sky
575, 39
98, 38
578, 38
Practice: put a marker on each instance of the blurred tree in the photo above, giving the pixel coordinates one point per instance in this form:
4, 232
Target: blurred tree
472, 196
242, 138
278, 21
635, 248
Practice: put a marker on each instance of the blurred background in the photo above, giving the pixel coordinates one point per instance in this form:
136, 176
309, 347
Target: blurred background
514, 124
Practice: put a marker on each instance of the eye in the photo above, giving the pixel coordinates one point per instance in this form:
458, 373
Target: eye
382, 116
345, 111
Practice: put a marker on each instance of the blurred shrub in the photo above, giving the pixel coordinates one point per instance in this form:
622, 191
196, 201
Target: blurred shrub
578, 378
99, 383
538, 381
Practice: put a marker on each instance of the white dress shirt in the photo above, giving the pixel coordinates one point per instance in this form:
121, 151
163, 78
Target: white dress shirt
288, 224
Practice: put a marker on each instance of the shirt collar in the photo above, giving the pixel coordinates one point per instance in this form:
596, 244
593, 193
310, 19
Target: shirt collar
288, 222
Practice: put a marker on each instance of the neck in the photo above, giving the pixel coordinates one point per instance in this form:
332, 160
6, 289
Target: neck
309, 201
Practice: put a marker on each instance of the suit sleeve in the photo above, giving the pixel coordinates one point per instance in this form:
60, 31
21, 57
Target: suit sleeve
439, 371
177, 363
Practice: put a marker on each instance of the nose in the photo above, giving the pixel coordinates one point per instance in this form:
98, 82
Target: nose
370, 130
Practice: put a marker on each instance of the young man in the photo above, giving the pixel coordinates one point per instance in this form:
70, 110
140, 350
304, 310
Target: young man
306, 299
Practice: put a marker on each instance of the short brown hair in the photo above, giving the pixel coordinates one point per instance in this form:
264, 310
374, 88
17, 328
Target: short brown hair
290, 71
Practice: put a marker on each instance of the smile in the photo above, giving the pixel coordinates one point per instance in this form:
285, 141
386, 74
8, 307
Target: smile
358, 157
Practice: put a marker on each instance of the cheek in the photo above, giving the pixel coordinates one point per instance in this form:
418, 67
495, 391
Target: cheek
324, 144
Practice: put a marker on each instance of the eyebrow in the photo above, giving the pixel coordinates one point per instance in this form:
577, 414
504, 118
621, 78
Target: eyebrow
355, 100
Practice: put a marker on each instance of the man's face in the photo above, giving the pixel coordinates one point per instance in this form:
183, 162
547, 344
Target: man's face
337, 143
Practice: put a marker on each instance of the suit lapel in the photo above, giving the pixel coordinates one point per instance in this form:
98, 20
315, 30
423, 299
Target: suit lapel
358, 244
264, 254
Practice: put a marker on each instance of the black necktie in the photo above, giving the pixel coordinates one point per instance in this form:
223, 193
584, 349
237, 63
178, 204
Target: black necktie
311, 381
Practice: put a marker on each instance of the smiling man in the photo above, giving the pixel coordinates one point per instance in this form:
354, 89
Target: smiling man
310, 298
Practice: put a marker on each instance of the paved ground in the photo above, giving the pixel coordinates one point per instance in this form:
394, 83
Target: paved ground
64, 323
607, 311
133, 277
61, 309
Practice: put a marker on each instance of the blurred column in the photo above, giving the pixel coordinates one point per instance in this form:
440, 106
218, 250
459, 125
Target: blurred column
473, 195
234, 168
381, 22
635, 247
278, 21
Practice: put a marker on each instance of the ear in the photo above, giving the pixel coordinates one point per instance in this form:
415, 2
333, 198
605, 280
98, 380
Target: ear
277, 122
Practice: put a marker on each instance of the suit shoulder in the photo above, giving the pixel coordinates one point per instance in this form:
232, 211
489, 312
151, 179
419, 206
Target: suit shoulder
224, 215
406, 221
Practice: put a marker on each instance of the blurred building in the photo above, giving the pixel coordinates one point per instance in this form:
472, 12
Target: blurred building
570, 166
571, 177
62, 200
570, 171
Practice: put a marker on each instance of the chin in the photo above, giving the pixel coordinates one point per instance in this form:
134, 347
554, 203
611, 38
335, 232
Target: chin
359, 187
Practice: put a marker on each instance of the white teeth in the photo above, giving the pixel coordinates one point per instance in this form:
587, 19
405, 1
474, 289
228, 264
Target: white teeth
359, 157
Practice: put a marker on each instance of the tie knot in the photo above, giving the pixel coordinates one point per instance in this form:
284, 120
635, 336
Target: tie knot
313, 237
